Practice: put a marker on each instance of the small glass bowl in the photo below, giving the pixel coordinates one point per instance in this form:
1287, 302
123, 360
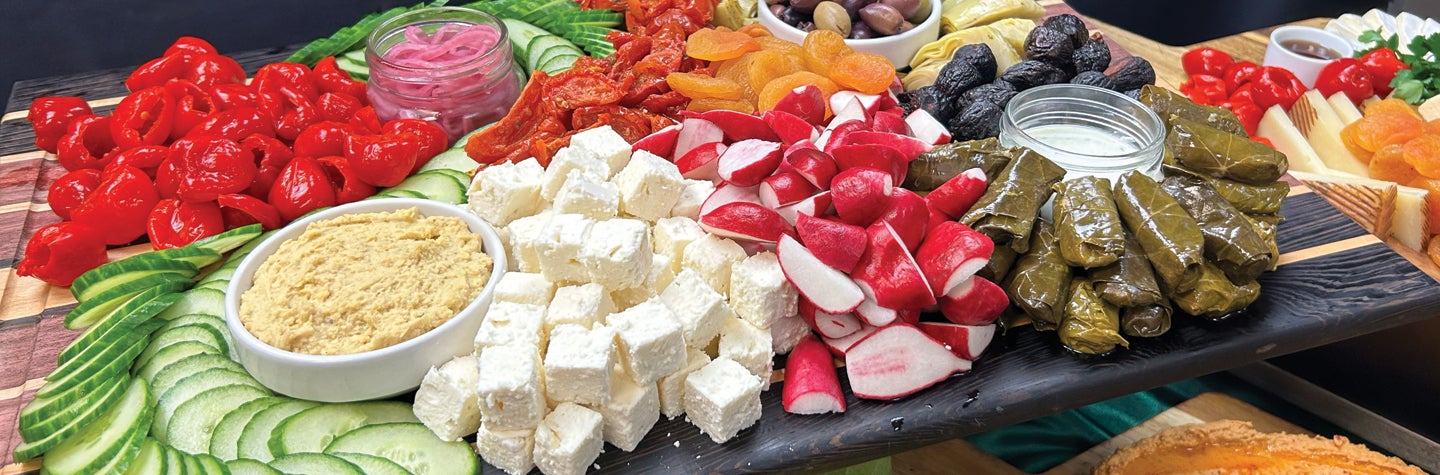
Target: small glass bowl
1085, 129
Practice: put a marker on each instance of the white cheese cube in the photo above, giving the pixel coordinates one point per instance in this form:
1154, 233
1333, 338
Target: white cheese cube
748, 345
583, 305
688, 205
659, 278
787, 332
617, 254
524, 287
672, 387
446, 400
504, 234
700, 309
759, 291
559, 246
524, 232
508, 450
651, 343
670, 235
578, 364
712, 257
511, 391
569, 440
501, 193
584, 194
511, 323
649, 186
566, 160
606, 144
633, 409
722, 398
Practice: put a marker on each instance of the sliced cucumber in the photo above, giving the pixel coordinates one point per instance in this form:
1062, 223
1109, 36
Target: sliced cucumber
567, 21
221, 273
255, 439
197, 333
211, 321
190, 427
520, 34
174, 461
187, 389
170, 355
122, 321
192, 365
566, 49
229, 240
150, 460
356, 55
412, 445
459, 176
542, 12
225, 440
108, 438
541, 45
314, 464
435, 186
558, 64
452, 159
242, 251
86, 371
192, 463
104, 303
209, 465
219, 285
373, 465
313, 429
129, 449
43, 417
460, 144
199, 256
112, 274
250, 467
400, 194
359, 70
206, 301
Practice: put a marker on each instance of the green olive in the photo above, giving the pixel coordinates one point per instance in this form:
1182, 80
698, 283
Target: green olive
831, 16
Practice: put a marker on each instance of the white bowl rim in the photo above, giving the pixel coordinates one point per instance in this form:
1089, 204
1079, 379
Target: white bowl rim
935, 13
1318, 35
232, 293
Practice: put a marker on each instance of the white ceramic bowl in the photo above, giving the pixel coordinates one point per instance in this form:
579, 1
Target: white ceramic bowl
373, 374
1305, 68
898, 48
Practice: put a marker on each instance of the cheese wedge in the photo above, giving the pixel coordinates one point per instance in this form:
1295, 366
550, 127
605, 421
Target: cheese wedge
1430, 109
1276, 127
1410, 216
1315, 118
1344, 108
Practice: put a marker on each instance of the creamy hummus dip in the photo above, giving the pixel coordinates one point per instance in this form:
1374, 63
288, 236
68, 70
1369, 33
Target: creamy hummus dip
366, 281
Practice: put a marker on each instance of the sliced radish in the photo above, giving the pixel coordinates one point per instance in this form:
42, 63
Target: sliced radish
959, 193
728, 193
951, 254
910, 217
936, 219
829, 289
870, 311
739, 126
812, 385
746, 221
702, 162
789, 129
817, 167
839, 245
890, 120
978, 301
829, 325
909, 147
660, 142
747, 162
834, 135
965, 341
848, 111
806, 102
814, 206
869, 103
891, 271
861, 195
879, 157
838, 346
924, 127
695, 131
784, 188
897, 361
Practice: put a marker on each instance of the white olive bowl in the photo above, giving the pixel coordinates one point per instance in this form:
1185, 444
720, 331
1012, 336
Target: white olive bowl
897, 48
372, 374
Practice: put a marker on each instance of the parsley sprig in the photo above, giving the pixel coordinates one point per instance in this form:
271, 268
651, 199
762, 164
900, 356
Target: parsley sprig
1422, 80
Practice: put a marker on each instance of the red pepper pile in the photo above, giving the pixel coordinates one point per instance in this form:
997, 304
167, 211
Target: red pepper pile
193, 151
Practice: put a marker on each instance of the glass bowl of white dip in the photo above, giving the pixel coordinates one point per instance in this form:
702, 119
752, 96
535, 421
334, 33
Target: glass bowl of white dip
1085, 129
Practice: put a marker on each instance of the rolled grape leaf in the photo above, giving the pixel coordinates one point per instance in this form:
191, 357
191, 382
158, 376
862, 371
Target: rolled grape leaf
1129, 282
1007, 210
1214, 296
1087, 223
1001, 259
1251, 199
1267, 225
1146, 321
1231, 242
1214, 152
1171, 239
1091, 325
1040, 279
1167, 104
933, 168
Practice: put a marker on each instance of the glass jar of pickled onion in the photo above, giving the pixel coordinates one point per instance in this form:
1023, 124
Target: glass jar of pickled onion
449, 65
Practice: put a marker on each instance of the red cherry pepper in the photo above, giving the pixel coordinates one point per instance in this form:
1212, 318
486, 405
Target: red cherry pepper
1240, 73
1263, 140
366, 121
60, 252
232, 96
1245, 92
301, 188
1204, 89
155, 72
145, 157
1205, 60
336, 107
348, 188
240, 210
175, 223
143, 118
294, 116
70, 190
1248, 113
432, 138
1383, 64
192, 106
1345, 75
270, 157
330, 78
1274, 85
51, 116
322, 139
118, 207
273, 78
235, 124
209, 70
189, 45
86, 144
381, 160
167, 177
210, 167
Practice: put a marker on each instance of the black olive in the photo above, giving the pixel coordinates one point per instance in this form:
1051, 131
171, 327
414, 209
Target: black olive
979, 120
930, 100
957, 77
980, 56
1051, 46
860, 31
1071, 26
997, 93
1133, 73
1093, 78
1030, 73
853, 8
794, 17
1092, 56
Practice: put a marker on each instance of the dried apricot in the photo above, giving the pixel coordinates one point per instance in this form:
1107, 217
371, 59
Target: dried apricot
865, 72
1432, 127
1385, 128
698, 86
1423, 153
1433, 198
821, 48
1347, 137
777, 44
709, 103
1389, 164
1390, 105
755, 30
778, 88
716, 45
766, 66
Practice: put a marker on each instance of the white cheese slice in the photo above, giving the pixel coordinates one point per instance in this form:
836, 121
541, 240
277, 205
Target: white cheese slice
1321, 125
1410, 224
1277, 127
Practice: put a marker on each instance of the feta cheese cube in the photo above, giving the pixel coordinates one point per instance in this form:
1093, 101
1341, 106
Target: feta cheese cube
566, 160
748, 345
712, 257
583, 194
659, 278
446, 401
633, 409
700, 309
672, 387
606, 144
583, 305
787, 332
759, 291
569, 440
617, 255
524, 232
524, 287
722, 398
508, 450
558, 247
688, 205
670, 235
501, 193
649, 186
651, 342
512, 393
504, 234
512, 323
578, 364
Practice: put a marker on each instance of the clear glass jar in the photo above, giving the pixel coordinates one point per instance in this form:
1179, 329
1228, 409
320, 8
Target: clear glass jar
463, 78
1086, 129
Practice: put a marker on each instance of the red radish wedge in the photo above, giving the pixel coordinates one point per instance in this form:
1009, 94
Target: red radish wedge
978, 301
959, 193
815, 166
897, 361
924, 127
839, 245
965, 341
891, 271
785, 188
747, 162
909, 147
861, 195
702, 162
936, 219
728, 193
814, 206
695, 131
812, 385
830, 290
872, 313
788, 128
739, 126
879, 157
891, 121
848, 111
835, 135
746, 221
870, 103
806, 102
951, 254
829, 325
801, 145
838, 346
660, 143
910, 217
911, 317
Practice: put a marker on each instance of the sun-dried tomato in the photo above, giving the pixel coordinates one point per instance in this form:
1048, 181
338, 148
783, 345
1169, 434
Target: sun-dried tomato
508, 134
669, 103
571, 90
